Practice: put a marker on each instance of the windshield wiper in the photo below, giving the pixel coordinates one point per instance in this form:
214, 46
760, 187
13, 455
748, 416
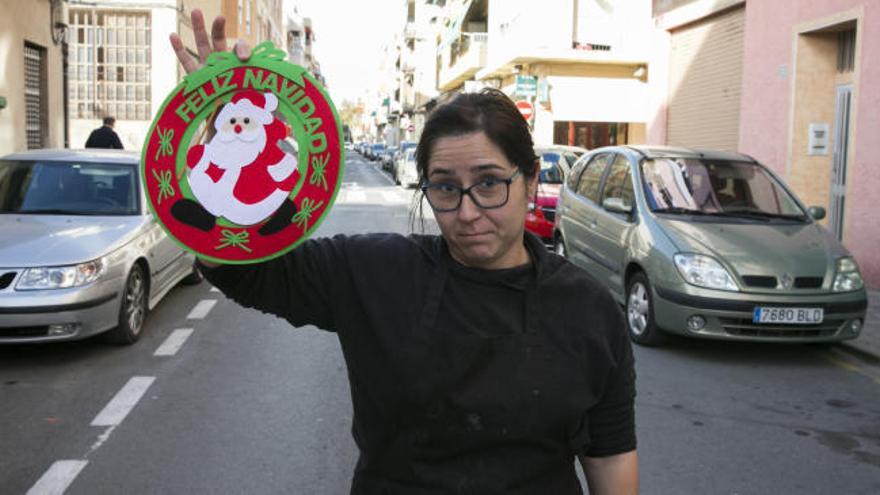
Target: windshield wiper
680, 210
760, 214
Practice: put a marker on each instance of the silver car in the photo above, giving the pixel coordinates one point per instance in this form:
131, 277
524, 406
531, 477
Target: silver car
707, 244
80, 252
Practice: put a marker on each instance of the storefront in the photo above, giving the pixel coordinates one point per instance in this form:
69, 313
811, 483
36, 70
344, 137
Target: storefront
590, 135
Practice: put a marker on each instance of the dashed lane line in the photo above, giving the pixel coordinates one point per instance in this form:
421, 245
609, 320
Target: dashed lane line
202, 309
124, 401
173, 342
57, 478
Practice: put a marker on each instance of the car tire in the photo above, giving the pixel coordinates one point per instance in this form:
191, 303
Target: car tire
559, 247
132, 310
195, 277
639, 312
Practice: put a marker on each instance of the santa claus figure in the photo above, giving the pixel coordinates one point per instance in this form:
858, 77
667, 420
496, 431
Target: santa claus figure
242, 174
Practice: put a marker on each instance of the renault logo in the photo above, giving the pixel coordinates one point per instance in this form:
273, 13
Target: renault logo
787, 281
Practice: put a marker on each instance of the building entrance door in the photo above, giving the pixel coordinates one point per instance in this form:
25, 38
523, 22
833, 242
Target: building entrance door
840, 158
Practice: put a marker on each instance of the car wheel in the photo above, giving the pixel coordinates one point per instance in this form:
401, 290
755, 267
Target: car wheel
195, 277
559, 247
132, 311
640, 312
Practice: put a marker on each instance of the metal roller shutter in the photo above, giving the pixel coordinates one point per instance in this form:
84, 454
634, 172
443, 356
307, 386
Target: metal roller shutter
706, 82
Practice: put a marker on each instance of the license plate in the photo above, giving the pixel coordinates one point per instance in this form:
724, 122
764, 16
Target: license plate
796, 316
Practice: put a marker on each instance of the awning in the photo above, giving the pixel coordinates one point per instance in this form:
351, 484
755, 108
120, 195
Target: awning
454, 29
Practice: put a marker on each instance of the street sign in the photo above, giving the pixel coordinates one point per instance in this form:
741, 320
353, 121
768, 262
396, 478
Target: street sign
526, 85
526, 109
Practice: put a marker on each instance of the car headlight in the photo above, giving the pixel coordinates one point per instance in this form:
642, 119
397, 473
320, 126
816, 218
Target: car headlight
704, 271
60, 277
847, 277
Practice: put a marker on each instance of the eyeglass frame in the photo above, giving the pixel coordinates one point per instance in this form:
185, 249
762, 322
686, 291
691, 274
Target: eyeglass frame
467, 190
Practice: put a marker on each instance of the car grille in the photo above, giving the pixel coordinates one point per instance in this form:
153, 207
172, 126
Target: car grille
6, 279
770, 282
549, 214
22, 332
742, 327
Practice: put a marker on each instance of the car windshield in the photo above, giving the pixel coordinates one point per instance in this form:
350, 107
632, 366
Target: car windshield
716, 187
68, 188
551, 171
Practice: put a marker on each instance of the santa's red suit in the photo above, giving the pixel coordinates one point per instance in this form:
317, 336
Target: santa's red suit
242, 174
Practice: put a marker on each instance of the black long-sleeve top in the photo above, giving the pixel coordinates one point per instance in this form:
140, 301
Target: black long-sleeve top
462, 380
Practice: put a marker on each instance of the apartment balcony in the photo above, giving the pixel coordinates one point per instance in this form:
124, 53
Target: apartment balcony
461, 59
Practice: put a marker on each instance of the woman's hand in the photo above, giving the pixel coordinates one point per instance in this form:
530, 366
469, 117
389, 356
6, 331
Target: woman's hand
204, 45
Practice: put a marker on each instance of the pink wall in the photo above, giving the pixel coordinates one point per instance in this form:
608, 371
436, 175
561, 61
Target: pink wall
764, 121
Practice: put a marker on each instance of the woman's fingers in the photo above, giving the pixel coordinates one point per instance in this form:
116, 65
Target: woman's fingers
203, 44
189, 64
218, 34
242, 50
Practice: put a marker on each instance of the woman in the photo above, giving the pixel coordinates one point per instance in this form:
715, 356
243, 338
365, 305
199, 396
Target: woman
478, 362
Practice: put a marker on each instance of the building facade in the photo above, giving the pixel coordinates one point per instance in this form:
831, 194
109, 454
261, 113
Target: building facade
793, 84
32, 83
581, 65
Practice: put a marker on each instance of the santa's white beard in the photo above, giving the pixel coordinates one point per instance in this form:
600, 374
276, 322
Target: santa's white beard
229, 150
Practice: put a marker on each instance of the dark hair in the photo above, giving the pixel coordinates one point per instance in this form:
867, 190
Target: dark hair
489, 111
108, 120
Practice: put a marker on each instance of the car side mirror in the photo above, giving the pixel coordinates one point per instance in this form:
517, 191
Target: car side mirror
616, 205
817, 212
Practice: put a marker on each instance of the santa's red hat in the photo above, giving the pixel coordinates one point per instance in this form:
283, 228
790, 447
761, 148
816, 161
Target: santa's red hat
254, 104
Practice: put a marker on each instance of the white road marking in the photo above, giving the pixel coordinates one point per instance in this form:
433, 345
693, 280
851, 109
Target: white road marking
124, 401
355, 197
174, 342
391, 197
57, 478
202, 309
214, 289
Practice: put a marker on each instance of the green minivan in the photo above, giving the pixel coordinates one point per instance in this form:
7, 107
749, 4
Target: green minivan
707, 244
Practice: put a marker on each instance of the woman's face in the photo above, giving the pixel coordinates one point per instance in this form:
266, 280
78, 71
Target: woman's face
479, 237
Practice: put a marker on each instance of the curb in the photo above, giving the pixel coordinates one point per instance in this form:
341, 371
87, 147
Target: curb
867, 356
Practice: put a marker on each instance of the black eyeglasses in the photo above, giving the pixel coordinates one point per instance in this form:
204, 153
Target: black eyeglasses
487, 194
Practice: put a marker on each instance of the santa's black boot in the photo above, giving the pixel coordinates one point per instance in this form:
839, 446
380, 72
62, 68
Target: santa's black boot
279, 219
191, 213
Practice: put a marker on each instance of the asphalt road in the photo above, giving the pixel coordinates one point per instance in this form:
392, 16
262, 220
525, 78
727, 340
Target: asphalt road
246, 404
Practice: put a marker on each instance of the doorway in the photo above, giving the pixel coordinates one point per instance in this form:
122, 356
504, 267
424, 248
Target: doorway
840, 158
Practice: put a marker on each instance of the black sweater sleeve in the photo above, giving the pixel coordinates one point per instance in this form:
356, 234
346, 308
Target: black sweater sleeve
300, 286
612, 419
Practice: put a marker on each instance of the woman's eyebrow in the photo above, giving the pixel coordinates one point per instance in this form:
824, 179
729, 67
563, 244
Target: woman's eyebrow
486, 166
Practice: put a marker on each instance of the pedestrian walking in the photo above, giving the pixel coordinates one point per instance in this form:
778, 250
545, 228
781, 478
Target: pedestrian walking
478, 361
105, 136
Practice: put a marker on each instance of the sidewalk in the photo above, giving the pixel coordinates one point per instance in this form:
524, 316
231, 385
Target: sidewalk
869, 341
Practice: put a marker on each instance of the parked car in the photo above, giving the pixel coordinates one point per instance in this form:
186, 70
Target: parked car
80, 253
407, 175
707, 244
376, 150
387, 158
556, 161
399, 157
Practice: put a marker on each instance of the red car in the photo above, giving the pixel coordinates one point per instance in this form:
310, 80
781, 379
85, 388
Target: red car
556, 161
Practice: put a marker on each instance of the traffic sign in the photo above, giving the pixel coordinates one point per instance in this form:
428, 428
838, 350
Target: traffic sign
526, 85
526, 109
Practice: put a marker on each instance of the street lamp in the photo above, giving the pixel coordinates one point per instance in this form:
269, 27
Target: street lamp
58, 20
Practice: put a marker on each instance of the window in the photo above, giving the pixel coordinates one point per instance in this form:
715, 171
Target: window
575, 173
619, 182
588, 186
118, 53
36, 109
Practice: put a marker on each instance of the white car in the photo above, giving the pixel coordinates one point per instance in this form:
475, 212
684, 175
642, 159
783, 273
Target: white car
80, 252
